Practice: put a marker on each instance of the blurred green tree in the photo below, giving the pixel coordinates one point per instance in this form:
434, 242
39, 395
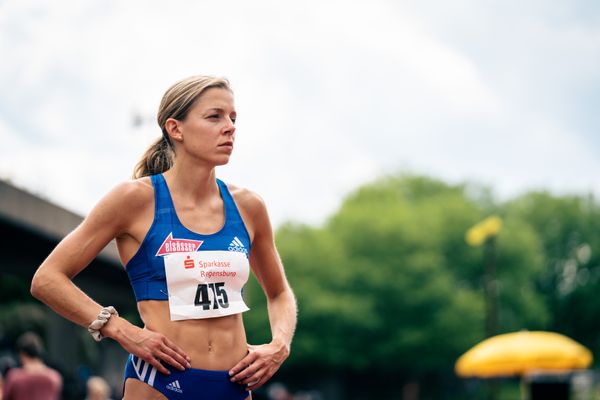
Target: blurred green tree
388, 285
567, 227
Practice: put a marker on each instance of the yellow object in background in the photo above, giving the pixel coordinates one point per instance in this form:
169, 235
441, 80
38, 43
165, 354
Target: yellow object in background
519, 353
480, 232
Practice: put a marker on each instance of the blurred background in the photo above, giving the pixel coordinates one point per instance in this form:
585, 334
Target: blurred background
378, 133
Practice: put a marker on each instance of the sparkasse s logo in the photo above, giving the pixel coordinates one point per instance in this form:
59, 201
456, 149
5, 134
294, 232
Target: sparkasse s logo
188, 263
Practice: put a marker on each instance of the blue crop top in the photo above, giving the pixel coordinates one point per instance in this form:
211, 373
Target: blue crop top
167, 235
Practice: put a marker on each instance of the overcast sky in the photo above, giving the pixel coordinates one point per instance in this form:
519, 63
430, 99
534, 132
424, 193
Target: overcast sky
329, 94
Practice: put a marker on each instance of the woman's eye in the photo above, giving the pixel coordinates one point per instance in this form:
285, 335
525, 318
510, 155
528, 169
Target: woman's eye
214, 116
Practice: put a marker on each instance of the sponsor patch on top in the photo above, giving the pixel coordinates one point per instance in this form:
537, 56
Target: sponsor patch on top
174, 245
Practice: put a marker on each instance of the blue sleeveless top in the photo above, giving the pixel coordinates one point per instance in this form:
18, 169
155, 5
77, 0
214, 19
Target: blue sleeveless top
167, 235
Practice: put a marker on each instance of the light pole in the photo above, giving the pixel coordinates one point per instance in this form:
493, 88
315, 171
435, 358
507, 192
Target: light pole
484, 233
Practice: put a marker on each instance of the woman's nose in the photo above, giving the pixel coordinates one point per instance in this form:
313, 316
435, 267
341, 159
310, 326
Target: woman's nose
230, 128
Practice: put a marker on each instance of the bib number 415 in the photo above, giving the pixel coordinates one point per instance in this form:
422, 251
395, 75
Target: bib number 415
219, 297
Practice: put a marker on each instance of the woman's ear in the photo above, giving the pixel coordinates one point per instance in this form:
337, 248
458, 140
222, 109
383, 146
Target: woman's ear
173, 129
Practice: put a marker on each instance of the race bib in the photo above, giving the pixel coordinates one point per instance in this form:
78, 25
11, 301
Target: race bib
206, 284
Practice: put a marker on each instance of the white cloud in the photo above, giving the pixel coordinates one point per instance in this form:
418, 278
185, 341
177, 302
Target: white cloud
329, 94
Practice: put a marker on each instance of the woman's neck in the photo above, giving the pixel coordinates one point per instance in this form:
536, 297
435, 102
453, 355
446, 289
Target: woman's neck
194, 183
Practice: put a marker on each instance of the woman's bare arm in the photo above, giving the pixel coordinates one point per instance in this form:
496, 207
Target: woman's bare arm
52, 282
264, 360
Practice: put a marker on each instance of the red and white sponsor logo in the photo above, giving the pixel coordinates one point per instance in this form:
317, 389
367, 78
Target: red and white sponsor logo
171, 245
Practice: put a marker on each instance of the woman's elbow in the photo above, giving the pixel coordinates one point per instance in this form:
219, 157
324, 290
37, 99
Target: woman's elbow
39, 284
284, 294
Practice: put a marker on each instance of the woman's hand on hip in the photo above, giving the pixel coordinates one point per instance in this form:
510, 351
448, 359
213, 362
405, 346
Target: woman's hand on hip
259, 365
152, 347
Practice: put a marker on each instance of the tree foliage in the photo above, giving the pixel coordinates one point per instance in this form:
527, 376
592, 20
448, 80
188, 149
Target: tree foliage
567, 228
389, 284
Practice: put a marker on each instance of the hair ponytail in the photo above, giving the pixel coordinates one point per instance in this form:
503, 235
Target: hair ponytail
176, 103
157, 159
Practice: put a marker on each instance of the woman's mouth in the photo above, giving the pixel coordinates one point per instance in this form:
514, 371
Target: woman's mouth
228, 145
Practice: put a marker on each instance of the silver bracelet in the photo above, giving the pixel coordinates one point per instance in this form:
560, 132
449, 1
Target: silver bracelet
97, 324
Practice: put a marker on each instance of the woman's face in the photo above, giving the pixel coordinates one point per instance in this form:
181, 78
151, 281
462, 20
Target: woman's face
208, 131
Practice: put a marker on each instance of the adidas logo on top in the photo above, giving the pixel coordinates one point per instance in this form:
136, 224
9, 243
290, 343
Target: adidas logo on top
174, 386
237, 245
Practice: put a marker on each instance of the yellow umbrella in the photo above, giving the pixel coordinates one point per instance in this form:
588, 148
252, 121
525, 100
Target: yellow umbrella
522, 352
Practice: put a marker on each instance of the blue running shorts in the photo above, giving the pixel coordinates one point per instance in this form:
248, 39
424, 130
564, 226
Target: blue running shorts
197, 384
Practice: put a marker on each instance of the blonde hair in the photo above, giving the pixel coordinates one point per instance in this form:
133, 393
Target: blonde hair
176, 103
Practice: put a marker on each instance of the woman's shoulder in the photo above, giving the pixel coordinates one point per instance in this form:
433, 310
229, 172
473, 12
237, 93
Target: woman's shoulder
123, 204
253, 210
128, 196
250, 201
134, 192
254, 213
136, 189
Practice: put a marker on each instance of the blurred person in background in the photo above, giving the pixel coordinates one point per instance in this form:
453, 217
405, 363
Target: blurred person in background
34, 380
310, 395
6, 364
278, 391
187, 241
97, 389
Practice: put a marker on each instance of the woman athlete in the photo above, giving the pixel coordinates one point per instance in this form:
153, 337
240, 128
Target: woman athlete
187, 241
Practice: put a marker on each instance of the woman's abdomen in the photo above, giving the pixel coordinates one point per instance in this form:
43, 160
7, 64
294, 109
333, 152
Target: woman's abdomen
212, 343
